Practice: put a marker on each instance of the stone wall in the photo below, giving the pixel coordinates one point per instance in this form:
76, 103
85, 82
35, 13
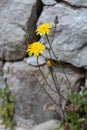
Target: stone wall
70, 46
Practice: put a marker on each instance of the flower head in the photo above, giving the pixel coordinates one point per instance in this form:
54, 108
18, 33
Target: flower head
35, 48
43, 29
49, 63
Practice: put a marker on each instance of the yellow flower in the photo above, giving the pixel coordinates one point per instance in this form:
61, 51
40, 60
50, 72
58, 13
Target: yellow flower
49, 63
35, 48
43, 29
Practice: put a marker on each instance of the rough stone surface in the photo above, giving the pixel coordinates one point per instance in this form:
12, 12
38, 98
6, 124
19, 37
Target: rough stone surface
19, 128
86, 83
70, 42
49, 2
65, 86
14, 15
1, 66
24, 123
33, 60
69, 45
30, 99
79, 3
2, 82
31, 102
49, 125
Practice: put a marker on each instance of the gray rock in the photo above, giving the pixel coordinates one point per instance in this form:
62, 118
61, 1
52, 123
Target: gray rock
49, 125
79, 3
33, 60
70, 39
30, 99
65, 86
1, 67
13, 19
24, 123
31, 102
2, 127
2, 82
20, 128
49, 2
86, 83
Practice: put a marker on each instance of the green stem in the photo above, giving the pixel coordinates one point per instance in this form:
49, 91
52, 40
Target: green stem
58, 61
65, 74
56, 87
46, 91
45, 78
54, 33
58, 104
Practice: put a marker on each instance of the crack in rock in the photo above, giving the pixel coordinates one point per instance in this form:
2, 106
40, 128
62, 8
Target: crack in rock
31, 24
72, 4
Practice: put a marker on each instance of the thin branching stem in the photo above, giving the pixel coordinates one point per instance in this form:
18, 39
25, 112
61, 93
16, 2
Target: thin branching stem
45, 78
54, 33
57, 104
58, 61
56, 87
46, 90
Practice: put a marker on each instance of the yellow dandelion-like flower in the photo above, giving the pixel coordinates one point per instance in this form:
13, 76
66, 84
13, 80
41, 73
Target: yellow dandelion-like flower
43, 29
35, 48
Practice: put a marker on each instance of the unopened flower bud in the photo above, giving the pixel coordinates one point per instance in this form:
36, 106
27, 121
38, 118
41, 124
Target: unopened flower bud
49, 63
56, 20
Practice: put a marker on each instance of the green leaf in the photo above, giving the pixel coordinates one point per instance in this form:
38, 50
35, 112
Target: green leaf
83, 101
60, 127
11, 99
72, 116
6, 90
7, 107
1, 93
4, 104
11, 108
3, 112
84, 91
74, 126
74, 98
7, 122
0, 111
85, 109
81, 120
